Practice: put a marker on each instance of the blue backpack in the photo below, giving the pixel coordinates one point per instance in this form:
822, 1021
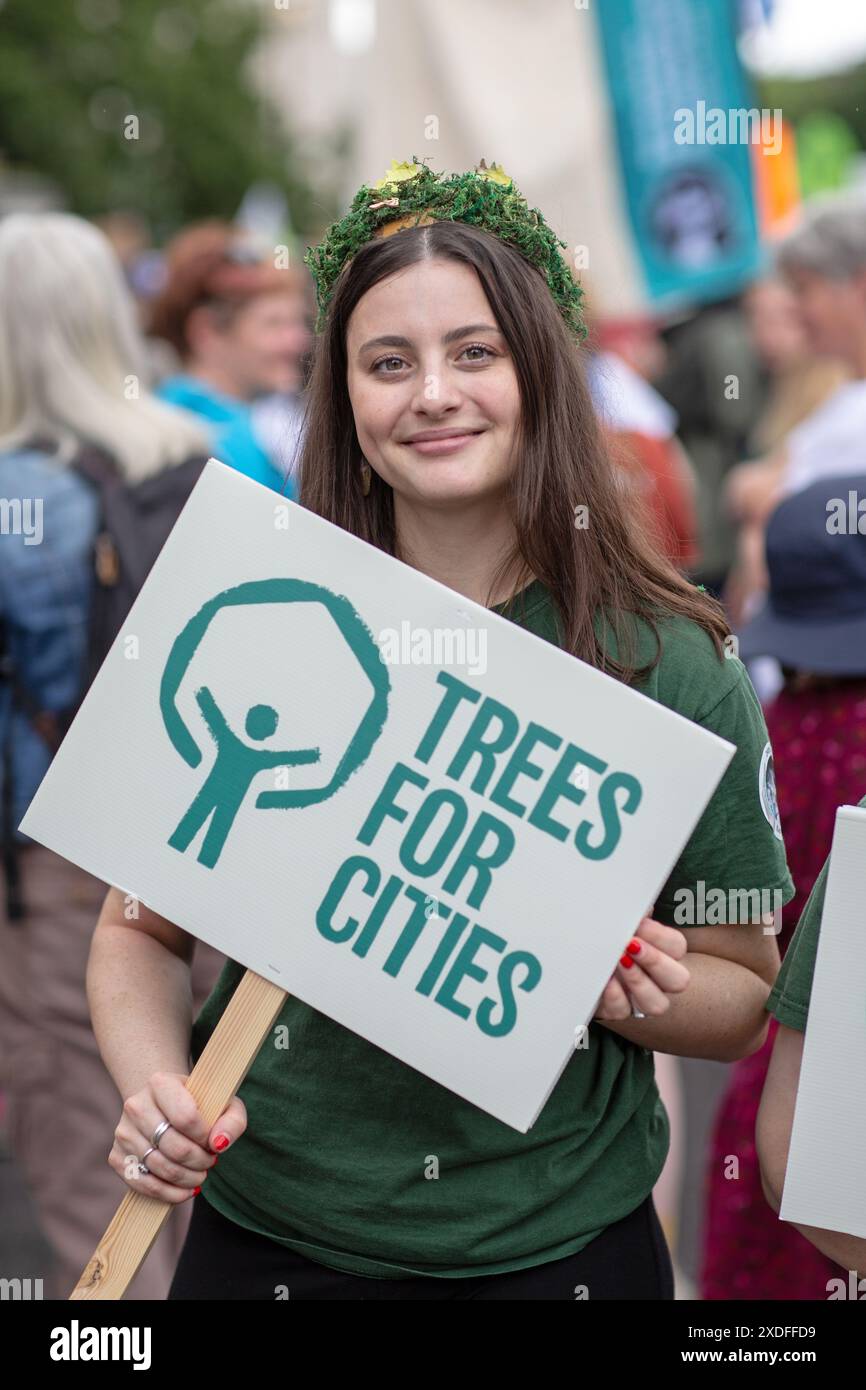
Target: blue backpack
70, 571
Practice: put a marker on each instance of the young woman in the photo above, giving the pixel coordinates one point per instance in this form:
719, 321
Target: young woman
789, 1003
450, 425
818, 726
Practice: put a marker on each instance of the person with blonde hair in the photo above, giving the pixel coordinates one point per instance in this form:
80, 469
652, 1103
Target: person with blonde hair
73, 365
72, 387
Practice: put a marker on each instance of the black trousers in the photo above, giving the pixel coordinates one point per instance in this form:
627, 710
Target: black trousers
222, 1260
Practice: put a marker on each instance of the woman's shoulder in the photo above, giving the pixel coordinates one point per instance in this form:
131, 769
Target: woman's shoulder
691, 674
737, 843
197, 396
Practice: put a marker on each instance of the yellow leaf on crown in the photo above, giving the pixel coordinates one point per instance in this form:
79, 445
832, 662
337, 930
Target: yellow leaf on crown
399, 173
495, 173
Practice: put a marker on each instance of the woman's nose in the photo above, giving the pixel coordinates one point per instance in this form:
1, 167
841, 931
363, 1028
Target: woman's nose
436, 389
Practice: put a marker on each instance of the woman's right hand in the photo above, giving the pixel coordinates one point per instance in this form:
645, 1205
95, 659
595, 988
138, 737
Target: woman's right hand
186, 1151
649, 972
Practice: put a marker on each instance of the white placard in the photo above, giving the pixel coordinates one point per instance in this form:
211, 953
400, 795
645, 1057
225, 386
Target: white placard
824, 1177
491, 889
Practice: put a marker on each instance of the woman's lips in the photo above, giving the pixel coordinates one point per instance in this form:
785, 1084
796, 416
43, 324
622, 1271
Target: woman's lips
448, 445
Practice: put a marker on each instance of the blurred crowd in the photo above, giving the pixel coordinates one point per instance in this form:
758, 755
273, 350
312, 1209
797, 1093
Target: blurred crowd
740, 426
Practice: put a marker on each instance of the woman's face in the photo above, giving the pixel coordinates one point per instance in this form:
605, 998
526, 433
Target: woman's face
775, 324
832, 311
266, 342
432, 385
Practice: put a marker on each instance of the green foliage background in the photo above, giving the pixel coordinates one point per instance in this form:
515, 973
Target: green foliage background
841, 92
71, 70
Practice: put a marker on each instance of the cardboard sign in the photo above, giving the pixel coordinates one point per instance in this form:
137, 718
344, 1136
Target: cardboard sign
824, 1176
402, 808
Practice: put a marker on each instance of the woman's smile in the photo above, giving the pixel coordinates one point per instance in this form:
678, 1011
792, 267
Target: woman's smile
437, 415
441, 441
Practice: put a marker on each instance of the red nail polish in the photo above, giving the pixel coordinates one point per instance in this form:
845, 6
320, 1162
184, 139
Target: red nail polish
196, 1191
626, 962
633, 946
221, 1142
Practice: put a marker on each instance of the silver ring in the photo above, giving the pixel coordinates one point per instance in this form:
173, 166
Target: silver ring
636, 1013
142, 1162
158, 1133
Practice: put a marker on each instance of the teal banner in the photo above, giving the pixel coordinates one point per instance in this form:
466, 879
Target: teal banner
685, 127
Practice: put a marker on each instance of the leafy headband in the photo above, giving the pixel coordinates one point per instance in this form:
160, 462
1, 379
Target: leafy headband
412, 194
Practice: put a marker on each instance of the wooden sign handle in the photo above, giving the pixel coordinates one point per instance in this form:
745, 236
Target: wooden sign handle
219, 1071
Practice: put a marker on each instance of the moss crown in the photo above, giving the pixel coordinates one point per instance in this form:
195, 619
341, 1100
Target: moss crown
412, 193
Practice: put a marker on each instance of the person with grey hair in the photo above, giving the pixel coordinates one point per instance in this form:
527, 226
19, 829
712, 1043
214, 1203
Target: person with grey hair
824, 262
830, 241
72, 381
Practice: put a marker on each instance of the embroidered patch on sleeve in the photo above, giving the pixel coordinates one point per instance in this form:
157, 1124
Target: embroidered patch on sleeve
767, 791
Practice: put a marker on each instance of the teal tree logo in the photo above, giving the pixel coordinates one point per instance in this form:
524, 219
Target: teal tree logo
239, 759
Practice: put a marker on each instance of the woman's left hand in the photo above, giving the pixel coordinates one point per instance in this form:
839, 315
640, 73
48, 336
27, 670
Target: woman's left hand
649, 971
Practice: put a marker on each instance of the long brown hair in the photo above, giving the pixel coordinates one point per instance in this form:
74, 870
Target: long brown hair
561, 460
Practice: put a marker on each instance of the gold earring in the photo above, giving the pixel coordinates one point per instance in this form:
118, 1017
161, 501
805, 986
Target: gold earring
366, 478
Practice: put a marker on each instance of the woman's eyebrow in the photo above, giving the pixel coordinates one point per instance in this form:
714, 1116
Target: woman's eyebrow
394, 340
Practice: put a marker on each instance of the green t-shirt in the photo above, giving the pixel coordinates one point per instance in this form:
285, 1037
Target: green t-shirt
364, 1164
789, 998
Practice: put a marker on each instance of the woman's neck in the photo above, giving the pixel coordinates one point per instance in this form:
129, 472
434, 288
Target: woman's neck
463, 549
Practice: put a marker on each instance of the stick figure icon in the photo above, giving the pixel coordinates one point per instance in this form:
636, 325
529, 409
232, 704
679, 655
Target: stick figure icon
229, 780
345, 643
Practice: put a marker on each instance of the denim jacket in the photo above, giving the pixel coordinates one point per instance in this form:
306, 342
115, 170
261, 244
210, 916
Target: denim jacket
48, 521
